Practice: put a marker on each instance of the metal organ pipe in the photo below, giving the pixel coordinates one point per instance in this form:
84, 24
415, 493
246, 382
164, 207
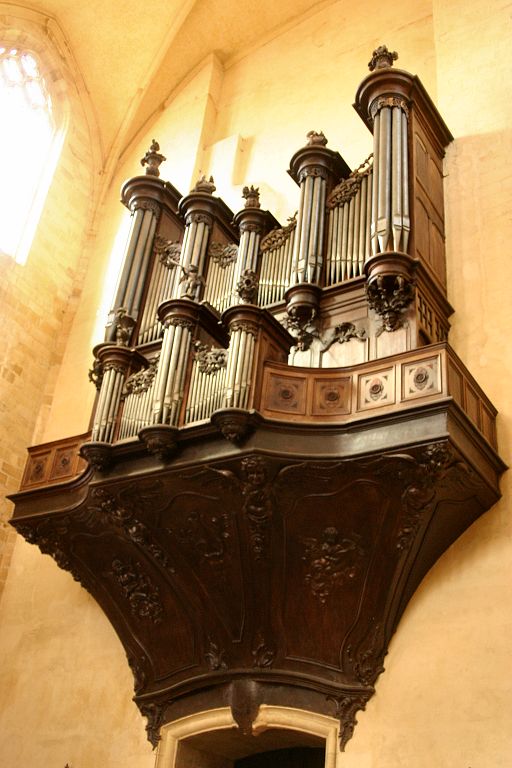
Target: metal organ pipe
390, 198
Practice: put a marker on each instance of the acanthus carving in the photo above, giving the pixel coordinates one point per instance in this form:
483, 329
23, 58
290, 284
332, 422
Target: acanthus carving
247, 286
142, 595
343, 333
422, 477
367, 660
331, 561
349, 187
257, 507
347, 707
215, 656
389, 101
145, 205
154, 712
207, 536
315, 171
140, 382
244, 325
95, 374
182, 322
209, 360
139, 676
278, 237
168, 251
223, 254
304, 328
263, 654
390, 296
114, 512
198, 217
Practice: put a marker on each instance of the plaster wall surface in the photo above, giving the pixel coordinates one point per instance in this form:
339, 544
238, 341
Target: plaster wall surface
444, 697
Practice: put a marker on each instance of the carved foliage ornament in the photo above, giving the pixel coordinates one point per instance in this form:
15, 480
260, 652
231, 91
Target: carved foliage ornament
136, 586
343, 333
347, 707
140, 382
331, 561
223, 254
349, 187
278, 237
389, 101
209, 360
205, 185
390, 296
168, 251
96, 373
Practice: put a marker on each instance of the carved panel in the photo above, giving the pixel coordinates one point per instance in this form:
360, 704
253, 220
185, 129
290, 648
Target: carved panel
421, 378
376, 389
287, 394
332, 397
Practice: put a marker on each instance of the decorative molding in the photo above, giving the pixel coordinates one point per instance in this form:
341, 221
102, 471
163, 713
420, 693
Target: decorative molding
144, 204
315, 171
389, 101
244, 325
154, 712
367, 660
199, 217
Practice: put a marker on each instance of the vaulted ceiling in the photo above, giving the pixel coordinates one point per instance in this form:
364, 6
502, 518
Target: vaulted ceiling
132, 55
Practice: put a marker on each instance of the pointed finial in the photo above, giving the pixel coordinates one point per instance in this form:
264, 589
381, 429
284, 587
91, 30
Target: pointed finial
382, 58
252, 197
205, 185
316, 138
152, 159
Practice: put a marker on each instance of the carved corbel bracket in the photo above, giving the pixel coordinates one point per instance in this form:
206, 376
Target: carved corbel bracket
390, 287
303, 301
235, 424
98, 455
161, 440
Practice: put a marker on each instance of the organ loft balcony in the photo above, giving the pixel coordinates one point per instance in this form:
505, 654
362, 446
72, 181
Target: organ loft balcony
283, 440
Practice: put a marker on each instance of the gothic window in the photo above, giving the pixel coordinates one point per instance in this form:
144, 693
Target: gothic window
30, 144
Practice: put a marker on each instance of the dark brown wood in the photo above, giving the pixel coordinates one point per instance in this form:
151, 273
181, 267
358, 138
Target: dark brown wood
266, 554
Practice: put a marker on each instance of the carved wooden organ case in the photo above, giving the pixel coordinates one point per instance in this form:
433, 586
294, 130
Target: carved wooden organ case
283, 441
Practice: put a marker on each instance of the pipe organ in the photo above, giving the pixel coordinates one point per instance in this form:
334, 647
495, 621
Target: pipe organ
283, 441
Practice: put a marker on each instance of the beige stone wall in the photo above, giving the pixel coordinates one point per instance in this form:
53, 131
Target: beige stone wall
444, 698
38, 299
